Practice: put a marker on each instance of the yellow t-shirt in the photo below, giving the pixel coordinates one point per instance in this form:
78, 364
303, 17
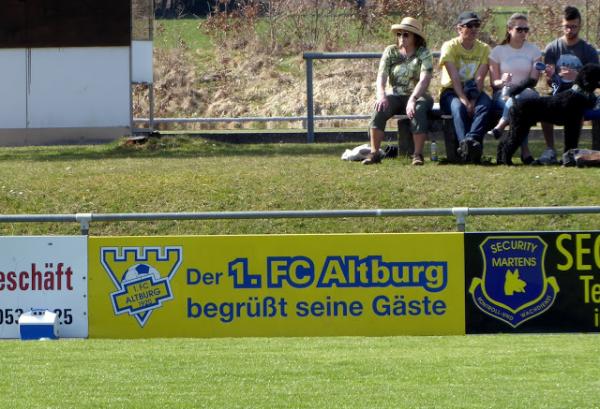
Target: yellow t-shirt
467, 62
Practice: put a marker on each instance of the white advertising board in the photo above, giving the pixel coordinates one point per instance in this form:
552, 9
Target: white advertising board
44, 272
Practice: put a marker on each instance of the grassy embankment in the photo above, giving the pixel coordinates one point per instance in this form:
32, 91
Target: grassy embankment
198, 75
190, 174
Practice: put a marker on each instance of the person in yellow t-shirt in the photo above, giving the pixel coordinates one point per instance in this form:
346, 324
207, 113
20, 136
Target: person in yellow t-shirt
464, 62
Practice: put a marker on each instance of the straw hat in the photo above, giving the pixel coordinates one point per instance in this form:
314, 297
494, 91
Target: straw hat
409, 24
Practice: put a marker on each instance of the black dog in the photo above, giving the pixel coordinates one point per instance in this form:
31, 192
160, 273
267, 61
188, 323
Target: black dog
565, 108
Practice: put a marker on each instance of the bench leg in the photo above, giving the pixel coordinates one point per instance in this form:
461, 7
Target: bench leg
596, 135
406, 145
450, 140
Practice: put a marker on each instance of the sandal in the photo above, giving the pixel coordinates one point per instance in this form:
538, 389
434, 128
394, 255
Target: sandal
418, 160
372, 158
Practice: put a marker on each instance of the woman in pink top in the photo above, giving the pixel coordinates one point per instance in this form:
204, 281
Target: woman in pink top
513, 63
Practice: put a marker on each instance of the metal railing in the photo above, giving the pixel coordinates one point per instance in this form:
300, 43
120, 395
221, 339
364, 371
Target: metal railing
310, 108
459, 213
310, 117
249, 119
308, 120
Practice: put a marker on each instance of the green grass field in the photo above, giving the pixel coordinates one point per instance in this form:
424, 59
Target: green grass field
500, 371
192, 174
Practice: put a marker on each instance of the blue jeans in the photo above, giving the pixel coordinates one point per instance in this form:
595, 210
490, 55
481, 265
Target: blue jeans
465, 126
499, 104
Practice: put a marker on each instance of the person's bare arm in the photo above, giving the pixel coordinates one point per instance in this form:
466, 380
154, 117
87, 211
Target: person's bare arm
420, 89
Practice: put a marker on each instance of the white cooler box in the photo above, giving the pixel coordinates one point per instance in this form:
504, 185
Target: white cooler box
38, 324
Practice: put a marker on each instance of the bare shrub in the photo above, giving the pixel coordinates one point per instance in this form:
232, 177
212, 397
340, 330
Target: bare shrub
233, 26
291, 25
314, 24
438, 18
276, 12
546, 15
379, 14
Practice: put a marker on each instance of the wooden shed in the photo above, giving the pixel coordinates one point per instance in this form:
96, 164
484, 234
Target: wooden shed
66, 71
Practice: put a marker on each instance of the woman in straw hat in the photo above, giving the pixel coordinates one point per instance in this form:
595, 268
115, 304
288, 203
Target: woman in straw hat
409, 66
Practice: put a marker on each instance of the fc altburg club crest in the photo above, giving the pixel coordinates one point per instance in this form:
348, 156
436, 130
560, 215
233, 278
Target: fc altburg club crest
513, 287
142, 277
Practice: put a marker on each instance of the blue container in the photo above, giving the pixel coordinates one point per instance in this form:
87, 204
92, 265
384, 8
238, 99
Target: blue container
38, 324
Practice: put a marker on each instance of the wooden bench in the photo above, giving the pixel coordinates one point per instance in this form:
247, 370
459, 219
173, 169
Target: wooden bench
439, 122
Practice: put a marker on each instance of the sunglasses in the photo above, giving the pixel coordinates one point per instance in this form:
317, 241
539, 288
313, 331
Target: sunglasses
471, 26
522, 29
404, 34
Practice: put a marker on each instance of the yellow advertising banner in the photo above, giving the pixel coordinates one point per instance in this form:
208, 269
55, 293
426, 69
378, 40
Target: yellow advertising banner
276, 285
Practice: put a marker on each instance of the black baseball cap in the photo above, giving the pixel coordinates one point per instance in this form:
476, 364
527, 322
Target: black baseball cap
467, 17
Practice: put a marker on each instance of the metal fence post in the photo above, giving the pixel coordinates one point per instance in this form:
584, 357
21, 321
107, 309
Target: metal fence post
310, 113
84, 222
151, 108
461, 217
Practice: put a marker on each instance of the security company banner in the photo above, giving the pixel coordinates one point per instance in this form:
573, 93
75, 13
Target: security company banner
46, 273
532, 282
276, 285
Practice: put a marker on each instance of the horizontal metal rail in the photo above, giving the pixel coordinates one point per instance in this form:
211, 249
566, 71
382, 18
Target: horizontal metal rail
504, 211
460, 214
37, 218
281, 214
340, 56
252, 119
349, 55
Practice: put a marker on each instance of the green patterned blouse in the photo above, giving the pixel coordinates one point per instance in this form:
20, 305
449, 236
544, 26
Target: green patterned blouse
404, 72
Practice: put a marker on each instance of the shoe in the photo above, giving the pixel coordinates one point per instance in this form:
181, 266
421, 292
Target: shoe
476, 150
470, 150
418, 160
463, 150
528, 160
547, 158
372, 158
496, 133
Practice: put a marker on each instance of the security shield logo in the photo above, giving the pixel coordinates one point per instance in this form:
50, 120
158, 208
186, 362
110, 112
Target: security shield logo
514, 287
142, 277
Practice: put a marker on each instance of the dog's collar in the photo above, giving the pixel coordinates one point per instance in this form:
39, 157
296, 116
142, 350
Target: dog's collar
578, 90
